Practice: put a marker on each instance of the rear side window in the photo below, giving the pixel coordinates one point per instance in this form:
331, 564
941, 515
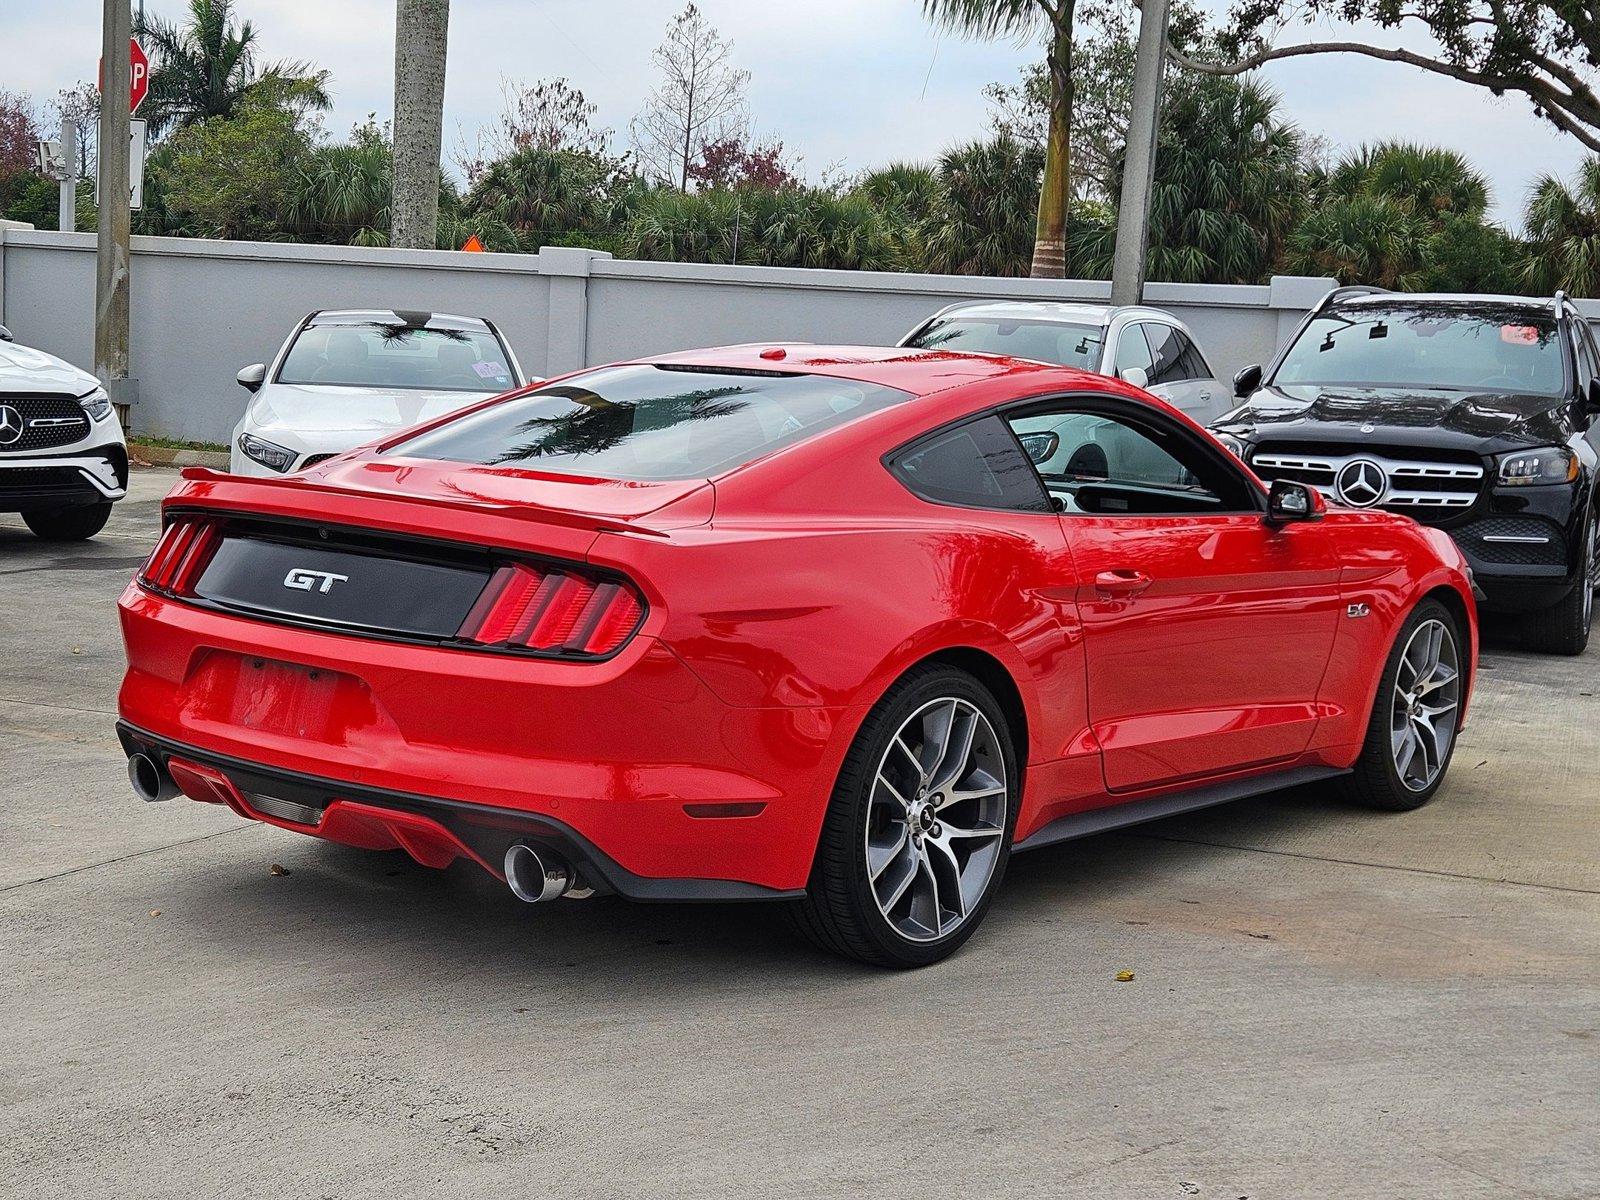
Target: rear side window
1166, 347
976, 465
652, 422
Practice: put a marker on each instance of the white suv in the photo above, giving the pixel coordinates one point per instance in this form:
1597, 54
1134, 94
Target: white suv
1149, 348
63, 460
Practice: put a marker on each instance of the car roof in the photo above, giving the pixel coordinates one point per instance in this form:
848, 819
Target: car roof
1442, 299
920, 372
394, 316
1072, 311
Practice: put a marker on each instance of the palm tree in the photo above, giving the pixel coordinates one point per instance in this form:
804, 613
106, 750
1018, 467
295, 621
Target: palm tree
1564, 233
1227, 187
1022, 18
205, 67
984, 221
421, 38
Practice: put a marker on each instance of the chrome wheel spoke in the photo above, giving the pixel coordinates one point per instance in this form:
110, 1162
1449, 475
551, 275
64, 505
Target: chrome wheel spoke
937, 817
1427, 697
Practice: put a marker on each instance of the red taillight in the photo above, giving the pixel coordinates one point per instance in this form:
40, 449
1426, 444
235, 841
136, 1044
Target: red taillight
182, 553
553, 610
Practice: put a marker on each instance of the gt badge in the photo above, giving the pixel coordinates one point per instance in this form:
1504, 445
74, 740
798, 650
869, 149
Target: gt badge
303, 580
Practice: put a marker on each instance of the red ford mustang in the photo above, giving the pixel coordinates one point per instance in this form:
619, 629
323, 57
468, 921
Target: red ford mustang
838, 627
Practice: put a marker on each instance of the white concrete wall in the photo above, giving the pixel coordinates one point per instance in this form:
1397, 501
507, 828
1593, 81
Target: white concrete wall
203, 309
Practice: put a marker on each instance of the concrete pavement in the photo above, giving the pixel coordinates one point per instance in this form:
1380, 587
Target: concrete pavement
1325, 1002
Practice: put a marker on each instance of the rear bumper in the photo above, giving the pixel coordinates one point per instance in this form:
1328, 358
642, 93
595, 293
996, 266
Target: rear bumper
629, 765
432, 830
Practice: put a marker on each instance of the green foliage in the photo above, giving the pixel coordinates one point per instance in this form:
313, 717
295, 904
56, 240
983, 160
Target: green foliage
549, 193
793, 227
984, 221
205, 67
1564, 233
1383, 211
26, 195
231, 177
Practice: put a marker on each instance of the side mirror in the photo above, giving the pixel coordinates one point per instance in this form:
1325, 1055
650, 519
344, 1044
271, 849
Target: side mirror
5, 335
1137, 376
1290, 501
1039, 447
1247, 380
252, 377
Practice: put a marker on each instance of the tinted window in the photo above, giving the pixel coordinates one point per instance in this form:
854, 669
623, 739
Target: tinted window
977, 464
1106, 464
651, 422
1133, 350
1194, 363
1488, 347
1059, 342
398, 356
1166, 348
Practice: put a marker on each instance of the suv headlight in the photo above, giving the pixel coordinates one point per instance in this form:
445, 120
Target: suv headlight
1548, 464
266, 453
1234, 443
97, 404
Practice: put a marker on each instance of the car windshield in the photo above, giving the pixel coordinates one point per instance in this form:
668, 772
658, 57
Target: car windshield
652, 422
1485, 347
398, 355
1064, 343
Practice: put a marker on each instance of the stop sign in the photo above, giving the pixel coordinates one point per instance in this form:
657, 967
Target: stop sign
138, 75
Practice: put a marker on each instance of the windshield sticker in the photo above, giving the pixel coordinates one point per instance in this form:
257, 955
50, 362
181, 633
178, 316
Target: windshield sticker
1520, 335
490, 370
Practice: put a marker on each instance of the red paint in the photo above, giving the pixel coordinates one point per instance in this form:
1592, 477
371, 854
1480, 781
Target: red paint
779, 602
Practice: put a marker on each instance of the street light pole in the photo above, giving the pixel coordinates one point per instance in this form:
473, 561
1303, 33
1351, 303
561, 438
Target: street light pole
1138, 172
116, 221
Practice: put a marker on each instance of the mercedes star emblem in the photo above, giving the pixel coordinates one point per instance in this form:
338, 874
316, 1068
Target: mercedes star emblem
1361, 483
10, 425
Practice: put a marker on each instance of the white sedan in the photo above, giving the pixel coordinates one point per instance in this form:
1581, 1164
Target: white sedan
344, 378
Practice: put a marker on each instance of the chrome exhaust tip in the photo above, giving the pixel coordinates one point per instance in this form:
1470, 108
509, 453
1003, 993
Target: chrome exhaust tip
150, 780
536, 874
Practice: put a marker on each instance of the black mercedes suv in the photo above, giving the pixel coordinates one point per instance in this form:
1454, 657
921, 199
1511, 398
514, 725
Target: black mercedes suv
1478, 414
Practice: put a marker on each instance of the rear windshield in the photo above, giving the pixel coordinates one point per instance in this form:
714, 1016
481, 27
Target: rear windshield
398, 356
652, 422
1423, 346
1060, 342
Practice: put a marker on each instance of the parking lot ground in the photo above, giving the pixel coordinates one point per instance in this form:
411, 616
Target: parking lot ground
1325, 1002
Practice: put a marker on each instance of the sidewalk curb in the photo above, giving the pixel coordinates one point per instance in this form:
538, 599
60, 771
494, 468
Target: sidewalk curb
166, 456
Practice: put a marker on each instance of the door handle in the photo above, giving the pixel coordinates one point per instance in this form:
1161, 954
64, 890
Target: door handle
1120, 584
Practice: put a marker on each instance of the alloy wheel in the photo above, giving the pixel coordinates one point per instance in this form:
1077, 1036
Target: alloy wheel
936, 819
1427, 695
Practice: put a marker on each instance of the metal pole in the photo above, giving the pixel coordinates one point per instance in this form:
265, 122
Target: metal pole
1138, 172
67, 217
111, 252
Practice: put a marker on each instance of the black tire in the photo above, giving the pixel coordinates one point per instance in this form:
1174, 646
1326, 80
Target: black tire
68, 524
1376, 780
840, 912
1564, 629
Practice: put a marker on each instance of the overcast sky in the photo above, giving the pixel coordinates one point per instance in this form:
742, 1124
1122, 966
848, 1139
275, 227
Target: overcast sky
852, 83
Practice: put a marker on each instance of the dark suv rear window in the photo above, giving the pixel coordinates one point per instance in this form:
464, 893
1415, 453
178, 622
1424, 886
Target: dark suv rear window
652, 422
1482, 347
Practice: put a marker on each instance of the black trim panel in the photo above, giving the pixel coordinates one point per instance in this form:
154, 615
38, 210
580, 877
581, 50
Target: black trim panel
594, 864
1136, 812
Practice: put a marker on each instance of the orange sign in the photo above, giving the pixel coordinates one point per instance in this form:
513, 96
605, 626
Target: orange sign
472, 245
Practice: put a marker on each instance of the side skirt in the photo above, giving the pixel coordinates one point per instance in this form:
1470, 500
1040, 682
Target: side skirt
1136, 812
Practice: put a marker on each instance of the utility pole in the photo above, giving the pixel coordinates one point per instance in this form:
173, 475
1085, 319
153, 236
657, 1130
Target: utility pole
116, 222
1139, 168
67, 214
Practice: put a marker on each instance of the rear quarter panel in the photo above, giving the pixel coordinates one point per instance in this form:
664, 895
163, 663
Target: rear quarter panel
1389, 564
